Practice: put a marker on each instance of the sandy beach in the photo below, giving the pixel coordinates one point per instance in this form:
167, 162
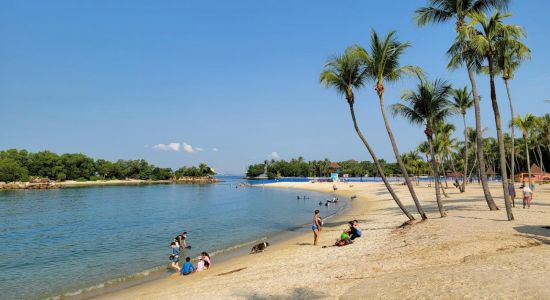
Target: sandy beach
473, 253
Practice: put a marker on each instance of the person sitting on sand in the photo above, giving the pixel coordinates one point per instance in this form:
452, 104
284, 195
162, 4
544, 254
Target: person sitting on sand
354, 230
200, 264
344, 239
206, 259
174, 257
316, 227
187, 267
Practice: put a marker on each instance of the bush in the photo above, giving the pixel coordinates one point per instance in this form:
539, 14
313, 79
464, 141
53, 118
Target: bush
11, 170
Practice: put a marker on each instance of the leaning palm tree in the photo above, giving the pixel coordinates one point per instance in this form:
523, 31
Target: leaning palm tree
461, 102
526, 125
427, 106
485, 41
345, 73
382, 65
440, 11
510, 53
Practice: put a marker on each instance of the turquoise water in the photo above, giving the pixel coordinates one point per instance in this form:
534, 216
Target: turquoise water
60, 242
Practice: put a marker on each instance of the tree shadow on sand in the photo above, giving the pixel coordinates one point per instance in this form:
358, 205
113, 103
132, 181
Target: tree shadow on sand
541, 233
297, 293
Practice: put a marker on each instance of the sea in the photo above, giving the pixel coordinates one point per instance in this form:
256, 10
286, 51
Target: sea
78, 242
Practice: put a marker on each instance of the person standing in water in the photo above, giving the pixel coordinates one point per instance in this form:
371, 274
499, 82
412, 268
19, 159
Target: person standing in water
316, 227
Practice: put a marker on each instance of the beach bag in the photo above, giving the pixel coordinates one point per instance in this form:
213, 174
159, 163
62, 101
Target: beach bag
340, 243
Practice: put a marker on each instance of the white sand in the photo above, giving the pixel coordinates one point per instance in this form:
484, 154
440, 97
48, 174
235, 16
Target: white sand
472, 253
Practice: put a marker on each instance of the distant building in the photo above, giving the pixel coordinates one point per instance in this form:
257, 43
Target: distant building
537, 175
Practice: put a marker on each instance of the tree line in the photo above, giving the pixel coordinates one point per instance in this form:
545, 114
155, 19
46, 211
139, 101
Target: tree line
484, 44
298, 167
20, 165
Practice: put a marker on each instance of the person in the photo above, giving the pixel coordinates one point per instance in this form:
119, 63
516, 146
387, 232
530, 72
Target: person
187, 267
174, 257
206, 258
512, 192
344, 239
354, 231
182, 241
316, 227
200, 264
527, 196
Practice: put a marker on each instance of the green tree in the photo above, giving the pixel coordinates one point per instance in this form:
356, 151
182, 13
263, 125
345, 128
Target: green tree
510, 53
485, 41
427, 106
462, 100
255, 170
440, 11
11, 170
345, 73
382, 65
526, 125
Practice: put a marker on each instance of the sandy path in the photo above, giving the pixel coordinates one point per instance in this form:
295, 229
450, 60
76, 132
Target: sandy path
473, 253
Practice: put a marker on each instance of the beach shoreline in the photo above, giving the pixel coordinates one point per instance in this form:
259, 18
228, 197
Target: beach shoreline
432, 259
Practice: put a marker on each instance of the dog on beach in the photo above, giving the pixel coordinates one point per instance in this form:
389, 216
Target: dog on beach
259, 248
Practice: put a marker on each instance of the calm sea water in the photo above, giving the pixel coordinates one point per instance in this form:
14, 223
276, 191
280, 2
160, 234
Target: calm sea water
60, 242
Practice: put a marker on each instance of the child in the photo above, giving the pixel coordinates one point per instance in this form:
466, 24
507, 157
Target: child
200, 264
354, 231
174, 257
344, 239
187, 267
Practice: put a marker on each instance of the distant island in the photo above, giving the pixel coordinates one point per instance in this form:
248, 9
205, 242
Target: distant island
21, 169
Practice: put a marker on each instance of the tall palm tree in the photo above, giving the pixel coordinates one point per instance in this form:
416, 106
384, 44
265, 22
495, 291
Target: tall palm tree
440, 11
382, 65
525, 124
462, 101
345, 73
510, 53
484, 42
427, 106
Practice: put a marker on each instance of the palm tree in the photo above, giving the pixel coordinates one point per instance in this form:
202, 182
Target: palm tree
382, 64
510, 53
427, 106
525, 125
485, 43
461, 102
440, 11
446, 144
345, 73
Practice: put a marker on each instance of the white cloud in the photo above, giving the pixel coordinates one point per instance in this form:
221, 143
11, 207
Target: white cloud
215, 149
188, 148
168, 147
274, 155
198, 149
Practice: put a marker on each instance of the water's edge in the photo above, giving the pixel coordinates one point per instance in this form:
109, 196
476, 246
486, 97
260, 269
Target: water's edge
223, 255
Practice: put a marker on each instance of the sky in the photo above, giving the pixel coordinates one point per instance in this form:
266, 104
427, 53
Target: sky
228, 83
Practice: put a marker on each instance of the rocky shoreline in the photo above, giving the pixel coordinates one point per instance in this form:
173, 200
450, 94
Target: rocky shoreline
43, 183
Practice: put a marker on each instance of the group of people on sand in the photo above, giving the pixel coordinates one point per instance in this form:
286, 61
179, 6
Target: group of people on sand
527, 190
178, 245
348, 235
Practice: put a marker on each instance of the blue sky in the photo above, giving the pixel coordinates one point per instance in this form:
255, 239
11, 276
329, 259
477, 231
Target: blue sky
112, 79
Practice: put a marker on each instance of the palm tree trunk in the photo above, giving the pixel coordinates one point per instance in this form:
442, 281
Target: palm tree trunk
399, 160
500, 138
463, 189
377, 165
442, 169
472, 170
479, 140
540, 156
436, 178
512, 153
525, 140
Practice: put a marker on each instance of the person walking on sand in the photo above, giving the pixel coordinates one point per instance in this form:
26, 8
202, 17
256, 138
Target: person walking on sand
316, 227
527, 196
512, 192
174, 257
